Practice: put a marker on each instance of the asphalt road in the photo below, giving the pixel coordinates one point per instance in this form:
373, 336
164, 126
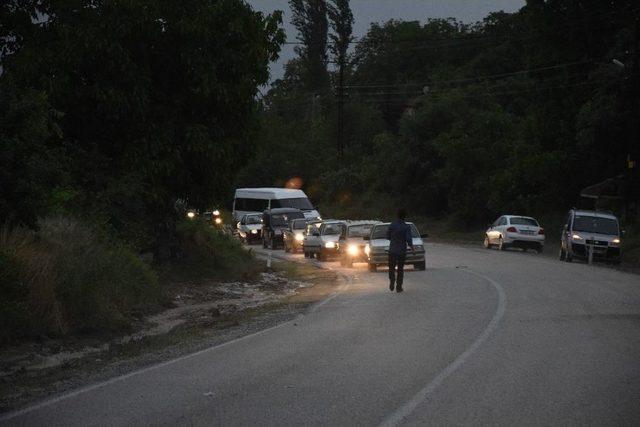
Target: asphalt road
481, 337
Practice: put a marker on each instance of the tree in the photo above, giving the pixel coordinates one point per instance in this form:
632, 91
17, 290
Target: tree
155, 100
310, 19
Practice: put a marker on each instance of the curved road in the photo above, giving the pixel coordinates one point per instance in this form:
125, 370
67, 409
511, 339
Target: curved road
481, 337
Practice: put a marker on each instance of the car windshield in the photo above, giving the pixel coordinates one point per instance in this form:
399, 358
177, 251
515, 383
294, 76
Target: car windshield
380, 232
594, 224
299, 224
284, 218
518, 220
253, 219
359, 230
298, 203
332, 230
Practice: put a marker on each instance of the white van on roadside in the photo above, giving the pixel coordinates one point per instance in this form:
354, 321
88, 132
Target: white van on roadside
257, 200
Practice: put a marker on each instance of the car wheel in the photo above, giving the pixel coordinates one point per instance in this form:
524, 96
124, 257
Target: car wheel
539, 249
420, 265
286, 247
562, 255
264, 243
348, 263
321, 256
568, 257
373, 267
502, 245
486, 243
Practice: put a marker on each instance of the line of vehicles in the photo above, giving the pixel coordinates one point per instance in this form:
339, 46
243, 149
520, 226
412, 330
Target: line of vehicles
289, 221
286, 219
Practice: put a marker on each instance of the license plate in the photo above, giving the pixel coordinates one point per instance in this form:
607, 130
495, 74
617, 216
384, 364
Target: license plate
529, 232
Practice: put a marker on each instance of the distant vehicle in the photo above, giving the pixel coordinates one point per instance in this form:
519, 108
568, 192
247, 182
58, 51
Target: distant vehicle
258, 200
250, 228
213, 217
377, 249
517, 231
274, 222
323, 242
352, 245
584, 229
294, 235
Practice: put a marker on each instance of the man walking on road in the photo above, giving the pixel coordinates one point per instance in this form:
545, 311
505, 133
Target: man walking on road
399, 236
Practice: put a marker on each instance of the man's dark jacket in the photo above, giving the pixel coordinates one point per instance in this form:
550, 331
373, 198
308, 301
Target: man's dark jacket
399, 235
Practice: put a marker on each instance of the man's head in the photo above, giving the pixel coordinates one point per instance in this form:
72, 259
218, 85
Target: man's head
402, 214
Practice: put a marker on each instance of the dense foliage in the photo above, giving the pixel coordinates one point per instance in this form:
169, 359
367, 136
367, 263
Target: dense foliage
516, 113
113, 110
66, 278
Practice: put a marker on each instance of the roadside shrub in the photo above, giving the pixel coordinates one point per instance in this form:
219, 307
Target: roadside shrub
208, 251
64, 278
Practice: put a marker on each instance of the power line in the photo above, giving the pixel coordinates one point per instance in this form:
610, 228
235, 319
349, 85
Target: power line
475, 78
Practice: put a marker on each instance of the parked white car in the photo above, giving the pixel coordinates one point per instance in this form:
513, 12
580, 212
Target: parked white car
584, 230
515, 231
377, 249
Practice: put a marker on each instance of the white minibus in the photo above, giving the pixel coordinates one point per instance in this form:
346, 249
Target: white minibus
257, 200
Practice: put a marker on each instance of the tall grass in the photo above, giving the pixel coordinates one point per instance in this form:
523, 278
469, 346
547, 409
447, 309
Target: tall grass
64, 278
210, 253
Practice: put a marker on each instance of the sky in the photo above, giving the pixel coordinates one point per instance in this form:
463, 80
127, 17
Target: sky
366, 12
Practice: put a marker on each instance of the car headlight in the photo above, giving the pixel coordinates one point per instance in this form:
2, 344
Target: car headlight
418, 248
330, 245
353, 250
299, 237
367, 249
615, 242
191, 215
216, 213
254, 231
218, 221
576, 237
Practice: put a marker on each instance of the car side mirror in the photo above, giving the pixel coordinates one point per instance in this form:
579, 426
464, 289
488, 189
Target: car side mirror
424, 236
366, 238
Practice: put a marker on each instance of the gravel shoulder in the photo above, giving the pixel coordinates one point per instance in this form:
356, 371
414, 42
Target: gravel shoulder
202, 316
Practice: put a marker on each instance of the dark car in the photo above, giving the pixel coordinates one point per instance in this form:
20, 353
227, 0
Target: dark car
274, 223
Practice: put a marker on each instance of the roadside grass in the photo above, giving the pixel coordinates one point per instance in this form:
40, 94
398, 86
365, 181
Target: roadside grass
207, 253
64, 278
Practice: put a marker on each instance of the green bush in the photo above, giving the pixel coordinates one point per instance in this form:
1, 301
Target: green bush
64, 278
208, 251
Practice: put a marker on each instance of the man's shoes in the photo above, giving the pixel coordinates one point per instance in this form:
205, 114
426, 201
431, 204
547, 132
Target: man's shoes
399, 288
391, 287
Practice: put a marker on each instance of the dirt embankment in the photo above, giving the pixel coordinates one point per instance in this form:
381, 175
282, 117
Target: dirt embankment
203, 314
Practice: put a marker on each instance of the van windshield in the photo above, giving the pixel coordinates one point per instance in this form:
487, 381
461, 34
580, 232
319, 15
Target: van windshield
594, 224
298, 203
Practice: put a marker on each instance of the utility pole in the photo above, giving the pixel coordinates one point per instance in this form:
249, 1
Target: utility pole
340, 93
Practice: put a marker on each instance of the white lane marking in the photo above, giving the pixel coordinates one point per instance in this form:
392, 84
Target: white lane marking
402, 413
10, 415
